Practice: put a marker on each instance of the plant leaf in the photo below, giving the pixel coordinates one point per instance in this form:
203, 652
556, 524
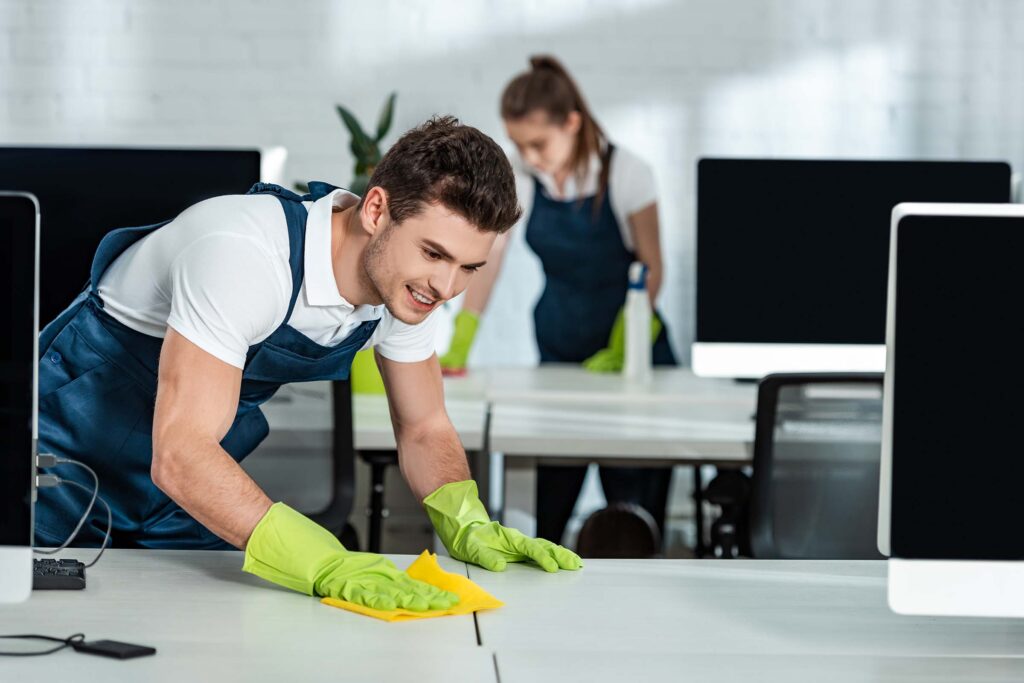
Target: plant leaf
361, 142
384, 124
358, 185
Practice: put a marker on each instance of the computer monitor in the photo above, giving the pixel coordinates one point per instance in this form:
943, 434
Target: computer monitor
951, 468
792, 257
85, 192
19, 260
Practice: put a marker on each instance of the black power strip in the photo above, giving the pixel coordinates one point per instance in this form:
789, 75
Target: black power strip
50, 574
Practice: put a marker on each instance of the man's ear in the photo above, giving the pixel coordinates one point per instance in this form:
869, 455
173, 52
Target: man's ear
374, 212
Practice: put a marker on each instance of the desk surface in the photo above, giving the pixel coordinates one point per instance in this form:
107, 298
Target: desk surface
300, 416
713, 433
762, 620
616, 620
572, 384
553, 410
565, 411
210, 621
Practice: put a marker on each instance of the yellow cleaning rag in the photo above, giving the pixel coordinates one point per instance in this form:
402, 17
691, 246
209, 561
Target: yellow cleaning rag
472, 597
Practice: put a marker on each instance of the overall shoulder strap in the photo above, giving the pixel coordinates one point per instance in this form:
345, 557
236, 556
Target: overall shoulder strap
295, 215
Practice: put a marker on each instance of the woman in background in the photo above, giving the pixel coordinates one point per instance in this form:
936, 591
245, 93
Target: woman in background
589, 210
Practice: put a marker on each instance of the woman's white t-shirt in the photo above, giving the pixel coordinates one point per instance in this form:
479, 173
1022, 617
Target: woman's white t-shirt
630, 186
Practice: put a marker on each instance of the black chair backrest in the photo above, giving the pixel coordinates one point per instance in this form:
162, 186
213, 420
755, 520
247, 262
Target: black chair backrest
343, 452
817, 449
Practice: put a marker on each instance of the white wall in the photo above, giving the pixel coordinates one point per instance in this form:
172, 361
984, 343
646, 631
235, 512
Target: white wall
673, 80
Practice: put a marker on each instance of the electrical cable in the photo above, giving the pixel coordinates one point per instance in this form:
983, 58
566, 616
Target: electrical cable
49, 460
65, 642
110, 521
88, 509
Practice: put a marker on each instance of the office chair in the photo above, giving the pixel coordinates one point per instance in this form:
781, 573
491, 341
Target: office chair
817, 448
730, 532
336, 514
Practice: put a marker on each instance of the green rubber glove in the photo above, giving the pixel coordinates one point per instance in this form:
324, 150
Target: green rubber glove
364, 374
469, 534
613, 357
466, 323
291, 550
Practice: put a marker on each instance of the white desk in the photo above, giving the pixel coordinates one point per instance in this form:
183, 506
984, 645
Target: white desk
674, 432
616, 620
573, 384
557, 413
565, 411
552, 412
712, 620
210, 621
300, 416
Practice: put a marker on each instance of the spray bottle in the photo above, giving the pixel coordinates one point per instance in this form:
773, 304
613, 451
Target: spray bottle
638, 326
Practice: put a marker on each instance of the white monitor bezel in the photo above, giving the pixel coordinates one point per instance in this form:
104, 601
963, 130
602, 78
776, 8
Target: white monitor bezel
16, 561
753, 361
937, 587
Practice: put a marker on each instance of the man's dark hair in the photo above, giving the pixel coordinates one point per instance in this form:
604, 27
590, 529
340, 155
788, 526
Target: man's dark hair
444, 162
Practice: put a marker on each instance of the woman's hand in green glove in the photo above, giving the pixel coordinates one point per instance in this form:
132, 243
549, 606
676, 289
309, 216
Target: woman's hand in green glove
454, 361
612, 357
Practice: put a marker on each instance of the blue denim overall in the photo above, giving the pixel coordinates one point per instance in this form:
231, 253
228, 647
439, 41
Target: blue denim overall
97, 389
586, 269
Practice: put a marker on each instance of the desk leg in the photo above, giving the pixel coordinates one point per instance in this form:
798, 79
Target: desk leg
377, 512
699, 547
519, 504
480, 469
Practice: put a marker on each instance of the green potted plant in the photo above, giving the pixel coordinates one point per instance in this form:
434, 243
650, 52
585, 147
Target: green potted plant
366, 148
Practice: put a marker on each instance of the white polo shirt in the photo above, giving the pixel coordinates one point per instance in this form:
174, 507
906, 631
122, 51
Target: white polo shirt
219, 275
630, 187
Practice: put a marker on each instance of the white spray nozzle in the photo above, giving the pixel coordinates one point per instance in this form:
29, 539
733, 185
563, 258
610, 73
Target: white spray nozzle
637, 275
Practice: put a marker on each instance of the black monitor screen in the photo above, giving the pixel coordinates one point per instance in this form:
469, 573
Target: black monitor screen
84, 193
958, 389
796, 251
17, 363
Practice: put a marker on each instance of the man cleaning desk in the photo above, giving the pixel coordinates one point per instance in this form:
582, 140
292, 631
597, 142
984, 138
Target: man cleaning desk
155, 374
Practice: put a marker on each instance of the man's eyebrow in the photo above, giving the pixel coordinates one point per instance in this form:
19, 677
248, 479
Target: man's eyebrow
448, 257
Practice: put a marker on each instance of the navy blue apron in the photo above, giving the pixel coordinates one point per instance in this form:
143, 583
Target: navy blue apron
586, 269
97, 391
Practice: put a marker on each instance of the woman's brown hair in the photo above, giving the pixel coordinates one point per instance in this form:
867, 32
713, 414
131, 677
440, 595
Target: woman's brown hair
549, 88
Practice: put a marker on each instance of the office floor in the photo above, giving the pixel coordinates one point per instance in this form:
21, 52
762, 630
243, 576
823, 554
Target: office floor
301, 478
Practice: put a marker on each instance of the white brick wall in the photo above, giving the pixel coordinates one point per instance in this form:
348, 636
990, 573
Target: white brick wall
673, 80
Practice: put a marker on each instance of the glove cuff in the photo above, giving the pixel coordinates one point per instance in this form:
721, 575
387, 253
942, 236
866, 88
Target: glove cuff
289, 549
466, 323
453, 509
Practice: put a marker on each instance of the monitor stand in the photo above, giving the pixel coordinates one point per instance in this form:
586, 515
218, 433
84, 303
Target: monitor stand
968, 588
15, 573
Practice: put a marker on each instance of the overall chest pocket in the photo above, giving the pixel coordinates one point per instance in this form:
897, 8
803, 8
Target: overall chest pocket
68, 360
88, 405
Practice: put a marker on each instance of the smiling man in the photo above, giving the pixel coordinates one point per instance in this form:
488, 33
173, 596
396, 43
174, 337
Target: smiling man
155, 373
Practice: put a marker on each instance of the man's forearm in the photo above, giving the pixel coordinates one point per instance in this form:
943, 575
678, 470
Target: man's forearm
208, 484
431, 458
